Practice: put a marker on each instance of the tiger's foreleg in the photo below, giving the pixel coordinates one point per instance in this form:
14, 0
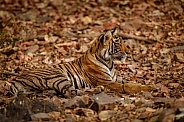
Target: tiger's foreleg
130, 88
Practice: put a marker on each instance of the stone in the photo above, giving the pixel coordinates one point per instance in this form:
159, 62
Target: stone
41, 116
70, 118
19, 108
129, 107
167, 115
104, 115
78, 101
54, 114
137, 120
5, 119
148, 109
179, 117
84, 112
99, 101
43, 106
140, 110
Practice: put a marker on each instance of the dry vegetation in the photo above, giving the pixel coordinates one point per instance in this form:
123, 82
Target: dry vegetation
45, 32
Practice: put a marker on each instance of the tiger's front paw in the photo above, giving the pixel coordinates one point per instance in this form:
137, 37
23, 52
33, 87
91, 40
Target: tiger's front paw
132, 88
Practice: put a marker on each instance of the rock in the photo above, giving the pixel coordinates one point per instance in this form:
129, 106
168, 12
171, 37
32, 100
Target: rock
70, 118
19, 109
129, 107
41, 116
140, 110
40, 106
99, 101
136, 120
30, 15
167, 115
179, 117
84, 112
150, 109
78, 101
179, 103
5, 119
54, 114
59, 102
147, 95
104, 115
165, 101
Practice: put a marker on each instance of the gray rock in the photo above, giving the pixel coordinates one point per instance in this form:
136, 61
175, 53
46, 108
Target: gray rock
43, 106
78, 101
99, 101
19, 108
137, 120
41, 116
104, 115
70, 118
84, 112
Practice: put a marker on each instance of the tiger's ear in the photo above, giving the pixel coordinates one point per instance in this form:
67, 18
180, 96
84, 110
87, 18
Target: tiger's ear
107, 36
115, 31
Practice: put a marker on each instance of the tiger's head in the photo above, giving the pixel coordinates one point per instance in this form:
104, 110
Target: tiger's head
110, 45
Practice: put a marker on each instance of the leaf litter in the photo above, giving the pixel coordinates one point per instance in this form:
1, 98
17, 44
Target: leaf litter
51, 32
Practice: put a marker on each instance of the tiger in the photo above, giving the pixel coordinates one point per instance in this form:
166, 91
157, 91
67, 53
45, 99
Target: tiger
94, 68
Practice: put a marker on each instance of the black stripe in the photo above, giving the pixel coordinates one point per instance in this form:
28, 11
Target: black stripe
59, 84
25, 84
111, 66
70, 74
100, 60
76, 72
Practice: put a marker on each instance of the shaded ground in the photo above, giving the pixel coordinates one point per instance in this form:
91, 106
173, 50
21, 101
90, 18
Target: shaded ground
40, 32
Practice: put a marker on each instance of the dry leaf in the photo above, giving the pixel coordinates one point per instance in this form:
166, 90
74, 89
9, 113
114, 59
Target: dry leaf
32, 49
180, 57
50, 39
86, 20
144, 48
132, 67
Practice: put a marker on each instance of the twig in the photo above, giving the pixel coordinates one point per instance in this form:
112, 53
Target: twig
70, 34
125, 35
3, 50
177, 48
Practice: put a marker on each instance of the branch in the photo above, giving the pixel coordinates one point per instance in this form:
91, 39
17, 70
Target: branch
125, 35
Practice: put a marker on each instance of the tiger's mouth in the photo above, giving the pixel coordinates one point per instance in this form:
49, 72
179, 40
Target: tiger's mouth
120, 57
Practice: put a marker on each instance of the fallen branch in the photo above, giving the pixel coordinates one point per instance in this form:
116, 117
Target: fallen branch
177, 48
124, 35
130, 36
70, 34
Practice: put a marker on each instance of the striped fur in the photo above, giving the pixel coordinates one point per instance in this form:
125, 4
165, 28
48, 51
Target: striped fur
94, 68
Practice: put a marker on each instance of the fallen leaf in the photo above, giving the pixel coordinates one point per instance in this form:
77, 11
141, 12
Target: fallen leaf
86, 20
173, 85
50, 38
32, 49
162, 88
132, 67
180, 57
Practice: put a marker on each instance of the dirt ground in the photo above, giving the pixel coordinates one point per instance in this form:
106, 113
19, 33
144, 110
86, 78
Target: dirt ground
36, 33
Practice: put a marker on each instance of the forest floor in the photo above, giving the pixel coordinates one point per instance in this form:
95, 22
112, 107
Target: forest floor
36, 33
